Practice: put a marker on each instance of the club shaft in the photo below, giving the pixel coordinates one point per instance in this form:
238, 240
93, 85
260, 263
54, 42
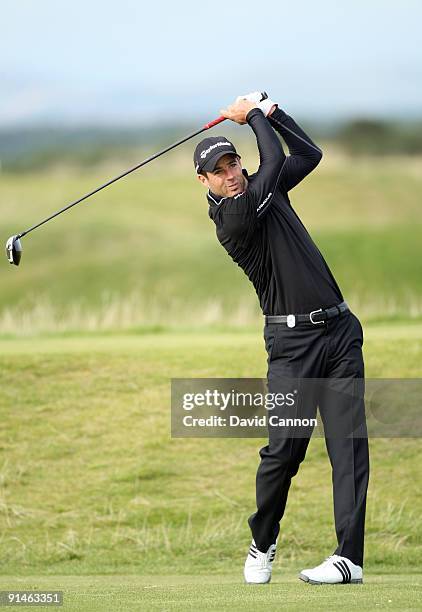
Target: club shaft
117, 178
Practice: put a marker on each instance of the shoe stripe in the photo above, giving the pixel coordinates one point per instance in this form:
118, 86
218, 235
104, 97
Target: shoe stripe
341, 570
252, 554
253, 551
347, 570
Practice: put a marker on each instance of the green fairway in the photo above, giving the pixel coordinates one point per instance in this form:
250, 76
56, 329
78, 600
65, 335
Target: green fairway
225, 592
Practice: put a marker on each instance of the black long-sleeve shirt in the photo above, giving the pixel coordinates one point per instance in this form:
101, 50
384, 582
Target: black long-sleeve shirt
263, 234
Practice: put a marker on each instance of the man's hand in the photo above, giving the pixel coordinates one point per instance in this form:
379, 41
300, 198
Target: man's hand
238, 110
267, 106
254, 96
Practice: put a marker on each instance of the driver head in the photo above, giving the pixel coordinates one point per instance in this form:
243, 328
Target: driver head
14, 250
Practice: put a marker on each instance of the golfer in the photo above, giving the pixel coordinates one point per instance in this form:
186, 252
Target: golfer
310, 332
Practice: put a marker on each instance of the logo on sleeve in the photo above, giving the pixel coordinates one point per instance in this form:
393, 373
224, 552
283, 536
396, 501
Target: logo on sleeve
265, 201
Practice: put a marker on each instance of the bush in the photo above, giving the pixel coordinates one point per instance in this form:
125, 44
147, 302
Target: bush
374, 137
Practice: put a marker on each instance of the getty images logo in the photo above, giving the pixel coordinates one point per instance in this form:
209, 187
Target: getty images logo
205, 152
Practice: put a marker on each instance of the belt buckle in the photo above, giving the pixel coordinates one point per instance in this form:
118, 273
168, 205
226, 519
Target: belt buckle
312, 313
291, 320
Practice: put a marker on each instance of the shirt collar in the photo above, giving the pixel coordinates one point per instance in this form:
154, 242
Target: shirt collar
213, 198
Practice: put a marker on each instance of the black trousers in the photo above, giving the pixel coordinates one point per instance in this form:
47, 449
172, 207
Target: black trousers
330, 351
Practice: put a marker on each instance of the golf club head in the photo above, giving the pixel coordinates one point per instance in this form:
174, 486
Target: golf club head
14, 250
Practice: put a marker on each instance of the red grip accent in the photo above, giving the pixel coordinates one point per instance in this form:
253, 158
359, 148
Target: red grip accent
215, 122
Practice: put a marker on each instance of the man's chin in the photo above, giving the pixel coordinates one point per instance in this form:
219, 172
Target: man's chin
234, 191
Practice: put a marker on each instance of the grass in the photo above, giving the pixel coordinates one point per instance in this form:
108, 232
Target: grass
145, 251
115, 300
192, 592
92, 483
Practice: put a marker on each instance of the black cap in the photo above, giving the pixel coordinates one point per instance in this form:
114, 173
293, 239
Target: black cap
209, 151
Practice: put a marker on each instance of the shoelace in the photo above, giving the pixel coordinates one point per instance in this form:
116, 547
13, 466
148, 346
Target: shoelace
332, 559
328, 560
262, 558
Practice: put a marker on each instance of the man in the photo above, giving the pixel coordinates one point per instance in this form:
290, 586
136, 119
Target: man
310, 333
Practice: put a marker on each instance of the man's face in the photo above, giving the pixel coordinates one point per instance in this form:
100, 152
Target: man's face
227, 180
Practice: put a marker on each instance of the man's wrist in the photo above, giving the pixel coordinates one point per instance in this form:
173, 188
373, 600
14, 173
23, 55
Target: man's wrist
278, 115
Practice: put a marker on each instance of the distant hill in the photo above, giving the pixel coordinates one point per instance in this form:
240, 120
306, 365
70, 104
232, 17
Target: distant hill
37, 147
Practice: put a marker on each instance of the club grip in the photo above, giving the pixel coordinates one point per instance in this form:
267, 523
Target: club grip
211, 124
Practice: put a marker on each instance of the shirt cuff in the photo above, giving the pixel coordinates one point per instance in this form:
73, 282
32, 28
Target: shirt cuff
279, 115
253, 113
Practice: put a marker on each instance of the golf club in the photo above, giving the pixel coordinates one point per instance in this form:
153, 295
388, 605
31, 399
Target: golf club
13, 244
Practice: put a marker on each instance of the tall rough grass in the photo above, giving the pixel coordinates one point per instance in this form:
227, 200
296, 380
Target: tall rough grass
132, 312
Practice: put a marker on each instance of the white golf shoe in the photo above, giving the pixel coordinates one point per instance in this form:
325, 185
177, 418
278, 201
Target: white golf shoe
334, 570
258, 565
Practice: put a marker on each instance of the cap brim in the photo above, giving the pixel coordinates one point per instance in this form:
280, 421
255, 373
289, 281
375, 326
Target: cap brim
210, 164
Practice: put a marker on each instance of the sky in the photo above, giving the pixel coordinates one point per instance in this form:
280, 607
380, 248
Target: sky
128, 62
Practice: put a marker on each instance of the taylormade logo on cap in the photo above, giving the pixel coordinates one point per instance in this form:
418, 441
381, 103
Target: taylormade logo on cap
208, 152
205, 152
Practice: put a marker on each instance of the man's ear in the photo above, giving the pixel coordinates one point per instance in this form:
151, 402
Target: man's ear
203, 179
